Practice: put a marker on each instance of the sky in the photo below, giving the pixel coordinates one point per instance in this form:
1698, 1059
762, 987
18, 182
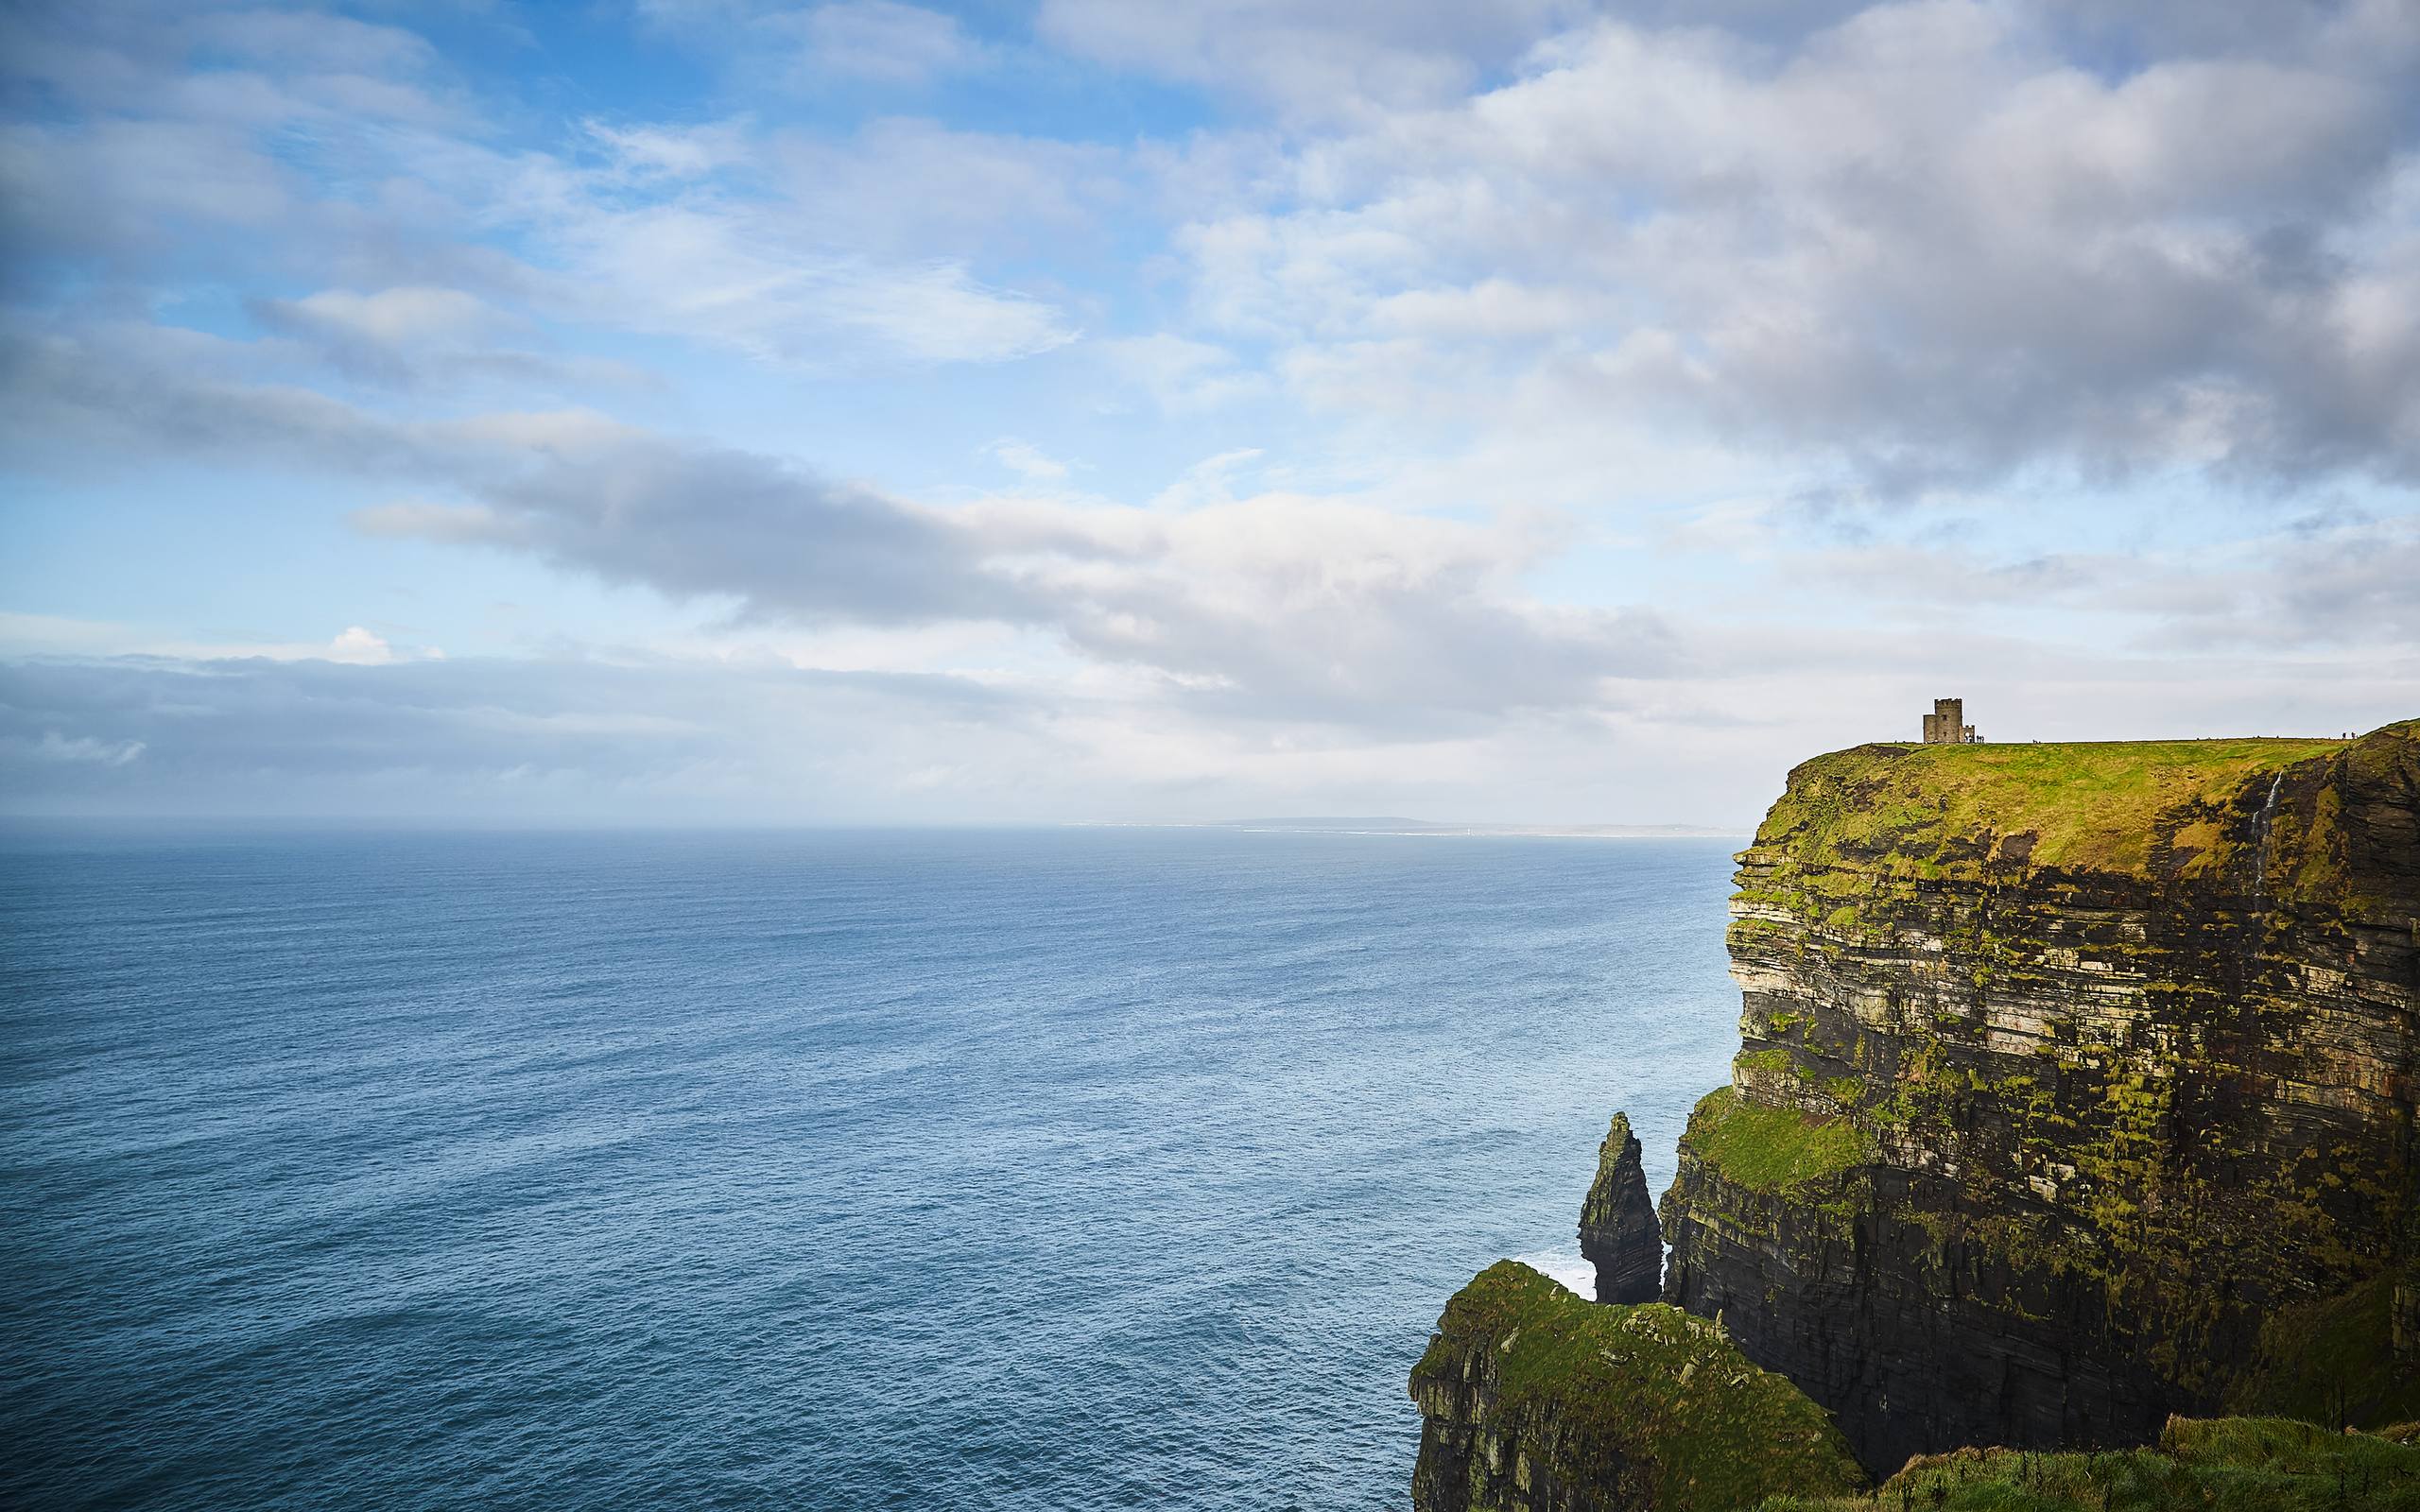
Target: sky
734, 412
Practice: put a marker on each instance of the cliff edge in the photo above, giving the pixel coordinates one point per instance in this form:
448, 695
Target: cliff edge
2076, 1089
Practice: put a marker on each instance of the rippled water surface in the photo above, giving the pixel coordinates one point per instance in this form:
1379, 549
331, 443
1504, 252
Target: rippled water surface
973, 1169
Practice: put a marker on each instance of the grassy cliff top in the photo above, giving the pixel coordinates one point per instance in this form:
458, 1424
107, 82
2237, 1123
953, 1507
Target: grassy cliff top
2208, 1465
1650, 1383
2106, 806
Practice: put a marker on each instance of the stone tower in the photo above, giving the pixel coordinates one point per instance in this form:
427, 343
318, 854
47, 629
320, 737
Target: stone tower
1946, 725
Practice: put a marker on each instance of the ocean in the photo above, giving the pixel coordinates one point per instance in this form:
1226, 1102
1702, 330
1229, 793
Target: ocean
1049, 1169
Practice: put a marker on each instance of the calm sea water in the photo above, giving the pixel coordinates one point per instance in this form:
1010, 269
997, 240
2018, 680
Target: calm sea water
973, 1170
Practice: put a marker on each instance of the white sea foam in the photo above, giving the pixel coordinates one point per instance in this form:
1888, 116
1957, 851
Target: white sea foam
1564, 1266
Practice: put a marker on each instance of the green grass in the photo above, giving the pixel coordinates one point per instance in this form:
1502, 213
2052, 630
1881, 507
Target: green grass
1773, 1149
1921, 809
2215, 1464
1588, 1385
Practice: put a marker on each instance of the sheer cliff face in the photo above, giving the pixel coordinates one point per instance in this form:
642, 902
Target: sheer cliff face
2065, 1069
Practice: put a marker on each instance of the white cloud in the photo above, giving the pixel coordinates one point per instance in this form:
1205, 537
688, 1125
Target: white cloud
1921, 246
885, 41
680, 152
1027, 460
424, 519
305, 39
398, 317
53, 747
1310, 62
56, 635
730, 273
1547, 365
356, 647
783, 46
798, 253
906, 187
1182, 375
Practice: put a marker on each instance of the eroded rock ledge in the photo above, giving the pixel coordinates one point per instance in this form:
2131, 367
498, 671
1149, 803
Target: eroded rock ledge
1536, 1400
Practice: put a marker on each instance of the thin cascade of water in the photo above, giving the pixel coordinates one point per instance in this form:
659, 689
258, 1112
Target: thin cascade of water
2260, 843
2255, 923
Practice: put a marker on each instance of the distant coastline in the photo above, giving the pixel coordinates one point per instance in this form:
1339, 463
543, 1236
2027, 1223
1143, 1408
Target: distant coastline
1429, 828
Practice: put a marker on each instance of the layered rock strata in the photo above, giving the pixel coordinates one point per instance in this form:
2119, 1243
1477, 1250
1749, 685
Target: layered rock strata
1536, 1400
1618, 1233
2076, 1089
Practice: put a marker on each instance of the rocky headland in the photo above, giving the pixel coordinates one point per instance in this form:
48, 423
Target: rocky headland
1536, 1400
2076, 1091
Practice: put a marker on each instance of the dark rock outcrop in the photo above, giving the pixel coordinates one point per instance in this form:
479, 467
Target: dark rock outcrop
1533, 1400
1617, 1229
2077, 1089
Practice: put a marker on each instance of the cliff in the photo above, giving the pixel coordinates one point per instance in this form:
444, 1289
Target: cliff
1535, 1400
2251, 1464
2076, 1089
1618, 1234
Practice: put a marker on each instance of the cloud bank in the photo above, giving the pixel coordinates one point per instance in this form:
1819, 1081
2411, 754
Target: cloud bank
1526, 410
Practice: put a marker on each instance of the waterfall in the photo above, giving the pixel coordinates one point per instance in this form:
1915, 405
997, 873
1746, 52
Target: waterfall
2261, 844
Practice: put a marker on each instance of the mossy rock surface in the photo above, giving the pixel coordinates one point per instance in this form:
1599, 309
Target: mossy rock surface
1537, 1398
2122, 808
1765, 1148
2106, 1051
2209, 1465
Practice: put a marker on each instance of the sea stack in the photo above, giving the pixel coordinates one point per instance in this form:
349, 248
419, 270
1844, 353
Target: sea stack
1618, 1233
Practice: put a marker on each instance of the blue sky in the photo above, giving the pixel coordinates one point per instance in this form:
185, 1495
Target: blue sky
720, 411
